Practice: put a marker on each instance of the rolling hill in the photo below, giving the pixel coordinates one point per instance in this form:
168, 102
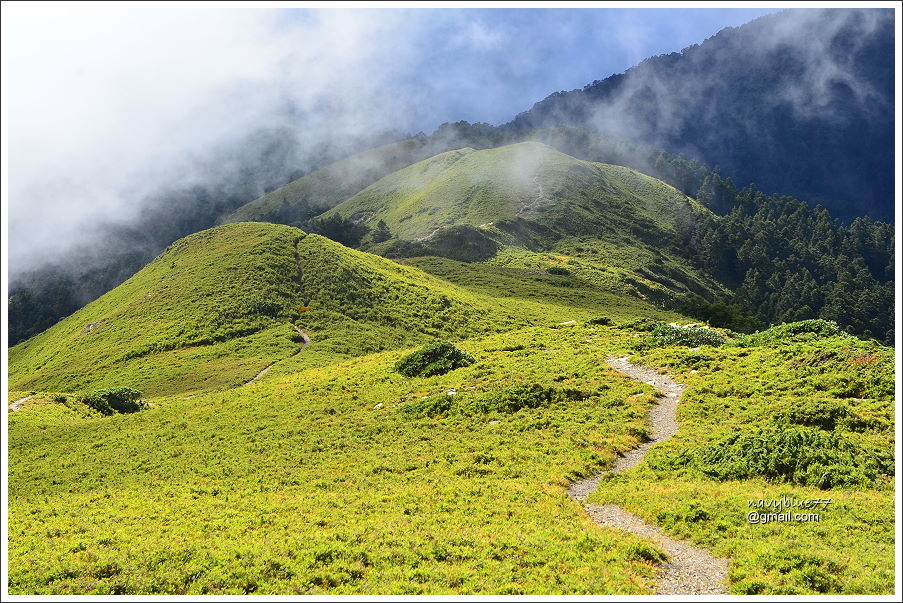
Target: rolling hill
332, 473
324, 188
527, 181
799, 102
217, 307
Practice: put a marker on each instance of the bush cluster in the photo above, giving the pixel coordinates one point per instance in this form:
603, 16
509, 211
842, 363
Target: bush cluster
815, 328
434, 359
600, 320
507, 401
800, 455
114, 400
688, 336
559, 270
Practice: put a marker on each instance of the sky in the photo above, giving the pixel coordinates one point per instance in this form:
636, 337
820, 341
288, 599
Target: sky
107, 104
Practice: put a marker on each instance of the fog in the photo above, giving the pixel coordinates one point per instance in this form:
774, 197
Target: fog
115, 109
808, 89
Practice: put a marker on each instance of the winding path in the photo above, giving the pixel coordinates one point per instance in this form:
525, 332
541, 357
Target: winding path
305, 338
17, 404
305, 341
539, 199
691, 570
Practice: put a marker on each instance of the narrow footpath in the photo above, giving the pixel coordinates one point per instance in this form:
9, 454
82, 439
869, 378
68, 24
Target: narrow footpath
690, 570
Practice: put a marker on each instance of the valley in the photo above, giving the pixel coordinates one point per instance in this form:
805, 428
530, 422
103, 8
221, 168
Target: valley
277, 325
282, 452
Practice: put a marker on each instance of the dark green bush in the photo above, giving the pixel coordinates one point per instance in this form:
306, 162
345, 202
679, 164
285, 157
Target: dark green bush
506, 401
640, 551
824, 414
640, 324
432, 406
804, 329
799, 455
520, 396
559, 270
114, 400
434, 359
601, 320
695, 360
689, 336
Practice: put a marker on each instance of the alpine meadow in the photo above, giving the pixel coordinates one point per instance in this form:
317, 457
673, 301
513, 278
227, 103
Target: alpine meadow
637, 339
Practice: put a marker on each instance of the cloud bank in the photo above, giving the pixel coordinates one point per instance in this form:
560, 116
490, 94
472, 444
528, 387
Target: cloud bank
112, 106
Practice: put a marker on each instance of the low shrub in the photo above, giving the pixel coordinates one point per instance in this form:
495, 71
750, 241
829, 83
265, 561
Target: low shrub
434, 359
695, 360
559, 270
688, 336
507, 401
515, 398
601, 320
640, 551
823, 414
433, 406
114, 400
816, 328
800, 455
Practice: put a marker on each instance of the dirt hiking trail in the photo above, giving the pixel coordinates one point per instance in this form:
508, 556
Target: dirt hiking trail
691, 570
305, 341
17, 404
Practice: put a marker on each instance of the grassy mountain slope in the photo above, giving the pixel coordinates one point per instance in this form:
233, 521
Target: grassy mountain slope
525, 181
319, 190
214, 305
219, 306
349, 478
530, 207
334, 474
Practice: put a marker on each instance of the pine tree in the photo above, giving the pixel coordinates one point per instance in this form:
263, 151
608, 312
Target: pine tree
382, 232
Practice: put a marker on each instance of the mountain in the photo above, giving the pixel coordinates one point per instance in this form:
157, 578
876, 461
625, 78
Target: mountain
528, 182
214, 304
799, 103
280, 439
219, 306
321, 189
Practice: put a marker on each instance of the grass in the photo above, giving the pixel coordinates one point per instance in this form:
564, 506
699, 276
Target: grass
838, 393
323, 482
336, 474
323, 188
218, 306
519, 193
213, 307
350, 478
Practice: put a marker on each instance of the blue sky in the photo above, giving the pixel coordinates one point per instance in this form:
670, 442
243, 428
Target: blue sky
110, 102
490, 64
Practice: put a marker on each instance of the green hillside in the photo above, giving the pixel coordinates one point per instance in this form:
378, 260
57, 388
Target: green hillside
350, 478
219, 306
336, 473
324, 188
530, 207
495, 188
214, 308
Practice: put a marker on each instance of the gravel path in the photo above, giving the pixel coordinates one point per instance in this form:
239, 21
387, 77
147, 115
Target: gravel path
304, 343
691, 570
539, 199
17, 404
